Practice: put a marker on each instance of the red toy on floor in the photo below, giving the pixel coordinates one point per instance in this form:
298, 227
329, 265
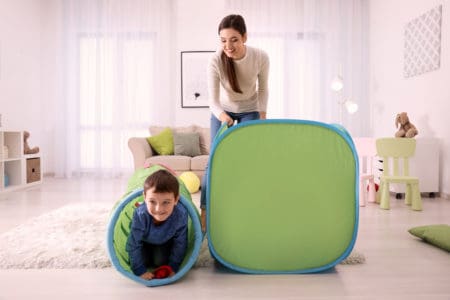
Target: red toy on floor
163, 272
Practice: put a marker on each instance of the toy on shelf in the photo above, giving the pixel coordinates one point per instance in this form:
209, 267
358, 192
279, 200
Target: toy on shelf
407, 129
26, 147
6, 180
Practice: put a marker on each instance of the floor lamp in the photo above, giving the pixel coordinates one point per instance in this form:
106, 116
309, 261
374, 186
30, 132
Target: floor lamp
337, 85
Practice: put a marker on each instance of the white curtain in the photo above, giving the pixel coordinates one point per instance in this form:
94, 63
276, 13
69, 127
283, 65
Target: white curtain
116, 66
309, 42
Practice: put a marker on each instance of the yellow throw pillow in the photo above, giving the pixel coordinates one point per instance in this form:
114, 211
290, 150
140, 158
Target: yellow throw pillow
162, 143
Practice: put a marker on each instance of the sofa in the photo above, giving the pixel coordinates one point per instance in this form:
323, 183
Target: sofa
191, 145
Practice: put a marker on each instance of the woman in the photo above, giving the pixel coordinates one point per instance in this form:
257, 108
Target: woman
237, 77
237, 82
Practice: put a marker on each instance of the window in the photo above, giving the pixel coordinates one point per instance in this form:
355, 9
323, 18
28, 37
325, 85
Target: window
115, 85
293, 85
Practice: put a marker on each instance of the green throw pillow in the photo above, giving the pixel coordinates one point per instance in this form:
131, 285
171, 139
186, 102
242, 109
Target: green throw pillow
162, 143
187, 144
437, 235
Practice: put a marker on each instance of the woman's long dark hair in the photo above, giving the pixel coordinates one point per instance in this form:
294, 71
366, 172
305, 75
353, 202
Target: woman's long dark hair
237, 23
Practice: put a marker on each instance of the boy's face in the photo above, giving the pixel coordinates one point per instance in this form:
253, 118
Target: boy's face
160, 205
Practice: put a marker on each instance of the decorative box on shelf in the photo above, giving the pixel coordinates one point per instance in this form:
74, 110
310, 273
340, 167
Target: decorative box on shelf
33, 169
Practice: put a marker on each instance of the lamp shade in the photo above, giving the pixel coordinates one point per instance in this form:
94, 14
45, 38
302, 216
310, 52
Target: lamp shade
337, 83
351, 106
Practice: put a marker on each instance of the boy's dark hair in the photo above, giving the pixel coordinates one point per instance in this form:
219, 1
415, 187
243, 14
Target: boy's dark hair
163, 182
237, 23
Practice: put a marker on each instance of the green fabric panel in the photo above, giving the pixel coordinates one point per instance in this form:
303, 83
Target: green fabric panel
282, 197
120, 237
137, 179
123, 224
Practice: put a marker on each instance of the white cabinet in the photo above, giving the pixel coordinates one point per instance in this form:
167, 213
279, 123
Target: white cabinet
16, 169
424, 165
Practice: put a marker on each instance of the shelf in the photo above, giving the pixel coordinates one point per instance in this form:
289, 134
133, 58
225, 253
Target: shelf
11, 159
13, 171
16, 169
13, 140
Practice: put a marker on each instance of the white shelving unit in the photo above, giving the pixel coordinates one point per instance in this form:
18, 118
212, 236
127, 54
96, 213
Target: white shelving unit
15, 167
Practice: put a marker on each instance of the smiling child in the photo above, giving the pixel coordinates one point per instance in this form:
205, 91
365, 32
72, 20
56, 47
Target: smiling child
158, 235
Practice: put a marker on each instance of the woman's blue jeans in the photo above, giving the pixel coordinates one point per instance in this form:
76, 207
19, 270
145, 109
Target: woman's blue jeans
215, 126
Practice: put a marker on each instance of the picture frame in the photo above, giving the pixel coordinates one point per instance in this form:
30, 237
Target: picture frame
194, 90
422, 43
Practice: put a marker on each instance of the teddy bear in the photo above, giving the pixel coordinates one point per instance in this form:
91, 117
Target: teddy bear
26, 147
407, 129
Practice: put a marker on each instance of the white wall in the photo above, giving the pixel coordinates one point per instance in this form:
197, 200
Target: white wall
51, 80
426, 97
196, 30
21, 60
20, 64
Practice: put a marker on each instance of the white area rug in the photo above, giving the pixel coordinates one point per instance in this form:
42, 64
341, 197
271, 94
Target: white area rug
74, 237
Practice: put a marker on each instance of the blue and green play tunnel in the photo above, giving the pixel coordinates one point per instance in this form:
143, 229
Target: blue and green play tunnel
120, 222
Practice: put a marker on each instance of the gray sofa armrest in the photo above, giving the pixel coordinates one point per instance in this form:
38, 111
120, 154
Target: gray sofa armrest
140, 149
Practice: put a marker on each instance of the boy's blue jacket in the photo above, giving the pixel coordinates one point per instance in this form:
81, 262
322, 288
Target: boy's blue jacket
143, 229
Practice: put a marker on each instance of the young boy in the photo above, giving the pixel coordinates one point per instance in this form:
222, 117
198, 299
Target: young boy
158, 233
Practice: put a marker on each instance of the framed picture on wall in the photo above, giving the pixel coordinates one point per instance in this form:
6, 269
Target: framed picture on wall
194, 90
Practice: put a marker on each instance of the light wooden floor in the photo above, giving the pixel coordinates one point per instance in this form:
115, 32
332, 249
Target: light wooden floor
398, 266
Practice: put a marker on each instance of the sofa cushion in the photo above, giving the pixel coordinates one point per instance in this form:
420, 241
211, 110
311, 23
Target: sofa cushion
175, 162
436, 234
187, 144
199, 163
205, 140
162, 142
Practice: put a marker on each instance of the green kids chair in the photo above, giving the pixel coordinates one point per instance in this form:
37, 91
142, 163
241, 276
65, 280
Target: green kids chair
393, 151
282, 196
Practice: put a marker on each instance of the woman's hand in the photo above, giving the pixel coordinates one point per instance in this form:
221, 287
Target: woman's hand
224, 117
147, 276
262, 115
